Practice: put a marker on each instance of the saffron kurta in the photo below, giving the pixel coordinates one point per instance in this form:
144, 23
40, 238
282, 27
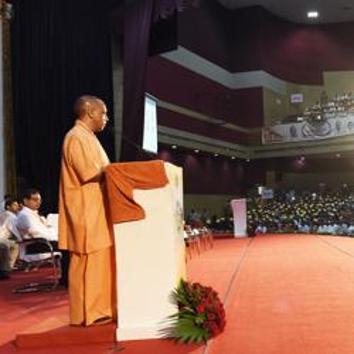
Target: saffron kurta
84, 228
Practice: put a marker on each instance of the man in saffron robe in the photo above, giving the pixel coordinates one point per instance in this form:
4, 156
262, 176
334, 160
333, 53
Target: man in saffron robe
84, 226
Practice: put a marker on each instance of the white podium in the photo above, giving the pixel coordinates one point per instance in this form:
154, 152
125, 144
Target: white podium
150, 259
239, 210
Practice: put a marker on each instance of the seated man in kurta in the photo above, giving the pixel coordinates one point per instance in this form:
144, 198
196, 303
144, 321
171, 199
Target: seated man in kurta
84, 227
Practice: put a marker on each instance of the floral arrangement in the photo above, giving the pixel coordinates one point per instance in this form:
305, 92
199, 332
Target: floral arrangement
200, 315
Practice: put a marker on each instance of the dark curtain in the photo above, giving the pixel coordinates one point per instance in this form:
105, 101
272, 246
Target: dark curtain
60, 50
137, 24
150, 27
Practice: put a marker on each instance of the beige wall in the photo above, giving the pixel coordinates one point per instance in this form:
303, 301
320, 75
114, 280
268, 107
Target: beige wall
338, 82
214, 203
277, 106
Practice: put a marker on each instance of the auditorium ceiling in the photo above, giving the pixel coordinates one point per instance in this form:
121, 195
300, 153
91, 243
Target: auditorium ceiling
330, 11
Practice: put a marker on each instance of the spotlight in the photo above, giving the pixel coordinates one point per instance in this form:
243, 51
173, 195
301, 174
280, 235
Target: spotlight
233, 157
196, 151
312, 14
174, 147
216, 154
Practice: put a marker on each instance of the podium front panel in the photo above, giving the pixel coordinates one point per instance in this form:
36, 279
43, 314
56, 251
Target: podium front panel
150, 257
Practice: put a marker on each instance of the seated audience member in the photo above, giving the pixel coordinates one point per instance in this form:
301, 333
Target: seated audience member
261, 229
6, 197
350, 230
8, 237
29, 223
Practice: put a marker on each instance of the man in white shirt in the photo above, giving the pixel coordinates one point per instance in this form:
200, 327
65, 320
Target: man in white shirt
29, 223
8, 237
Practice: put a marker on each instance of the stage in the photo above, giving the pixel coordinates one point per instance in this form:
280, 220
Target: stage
283, 294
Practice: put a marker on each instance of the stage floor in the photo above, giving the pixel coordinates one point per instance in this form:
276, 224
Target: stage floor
283, 294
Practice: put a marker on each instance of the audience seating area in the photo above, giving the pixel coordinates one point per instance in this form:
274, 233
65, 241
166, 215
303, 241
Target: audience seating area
324, 212
313, 211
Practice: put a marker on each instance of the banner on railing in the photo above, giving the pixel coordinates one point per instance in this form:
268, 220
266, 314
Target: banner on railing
309, 130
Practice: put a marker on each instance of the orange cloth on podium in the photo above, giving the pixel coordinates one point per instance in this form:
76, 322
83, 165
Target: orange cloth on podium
123, 178
84, 227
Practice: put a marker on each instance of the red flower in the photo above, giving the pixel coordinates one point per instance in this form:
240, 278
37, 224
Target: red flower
201, 308
209, 309
211, 316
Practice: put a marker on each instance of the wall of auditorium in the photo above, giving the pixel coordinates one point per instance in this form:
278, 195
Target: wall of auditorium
253, 39
206, 174
312, 180
215, 204
310, 171
175, 84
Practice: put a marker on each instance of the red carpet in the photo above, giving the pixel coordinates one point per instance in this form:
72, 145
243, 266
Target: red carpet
283, 294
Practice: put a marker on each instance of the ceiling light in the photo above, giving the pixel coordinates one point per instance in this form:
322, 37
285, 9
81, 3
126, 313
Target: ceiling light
174, 147
196, 151
312, 14
216, 154
233, 157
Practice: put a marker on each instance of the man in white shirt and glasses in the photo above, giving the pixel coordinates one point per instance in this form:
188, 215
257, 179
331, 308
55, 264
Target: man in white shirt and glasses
29, 223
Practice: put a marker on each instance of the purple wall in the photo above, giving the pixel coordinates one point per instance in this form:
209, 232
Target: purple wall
181, 122
176, 84
206, 174
301, 53
254, 39
207, 31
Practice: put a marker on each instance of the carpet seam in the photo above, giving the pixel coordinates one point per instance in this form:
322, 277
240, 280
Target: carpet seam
231, 283
335, 247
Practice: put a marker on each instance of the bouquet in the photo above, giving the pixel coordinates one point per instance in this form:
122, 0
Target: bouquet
200, 315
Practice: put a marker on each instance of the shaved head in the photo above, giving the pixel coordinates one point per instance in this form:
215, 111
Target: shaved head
91, 111
83, 103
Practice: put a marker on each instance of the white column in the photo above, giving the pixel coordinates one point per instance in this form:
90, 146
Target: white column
2, 131
239, 209
117, 66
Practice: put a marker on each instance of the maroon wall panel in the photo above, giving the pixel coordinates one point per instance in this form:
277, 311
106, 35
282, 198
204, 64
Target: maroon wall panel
208, 31
204, 174
175, 84
254, 39
301, 53
188, 124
